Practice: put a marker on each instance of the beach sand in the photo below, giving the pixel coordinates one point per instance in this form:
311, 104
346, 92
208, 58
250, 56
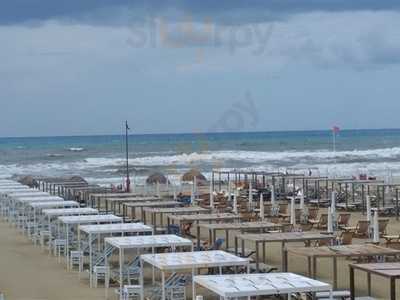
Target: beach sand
27, 273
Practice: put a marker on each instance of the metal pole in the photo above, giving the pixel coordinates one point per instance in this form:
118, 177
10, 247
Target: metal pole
128, 182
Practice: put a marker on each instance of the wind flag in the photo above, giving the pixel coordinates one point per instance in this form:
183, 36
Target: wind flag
336, 129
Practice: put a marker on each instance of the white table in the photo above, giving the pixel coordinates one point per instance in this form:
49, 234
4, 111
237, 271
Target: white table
250, 285
68, 221
20, 203
141, 242
51, 214
4, 197
38, 207
190, 261
108, 229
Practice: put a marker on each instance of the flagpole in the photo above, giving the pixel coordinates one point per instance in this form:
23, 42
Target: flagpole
128, 182
334, 145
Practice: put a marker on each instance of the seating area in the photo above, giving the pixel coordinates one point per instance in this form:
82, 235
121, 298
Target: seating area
222, 239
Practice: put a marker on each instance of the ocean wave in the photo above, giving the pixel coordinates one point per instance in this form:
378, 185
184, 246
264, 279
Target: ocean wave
377, 161
254, 157
76, 149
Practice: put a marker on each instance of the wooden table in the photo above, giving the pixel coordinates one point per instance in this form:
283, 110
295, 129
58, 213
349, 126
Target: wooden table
114, 203
142, 205
197, 218
262, 226
334, 252
388, 270
95, 198
165, 211
282, 237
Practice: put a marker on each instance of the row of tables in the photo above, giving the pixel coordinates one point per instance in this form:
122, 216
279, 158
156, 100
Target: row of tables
195, 260
164, 262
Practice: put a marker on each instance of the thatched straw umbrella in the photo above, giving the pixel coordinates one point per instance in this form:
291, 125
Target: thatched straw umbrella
29, 181
189, 176
77, 179
157, 178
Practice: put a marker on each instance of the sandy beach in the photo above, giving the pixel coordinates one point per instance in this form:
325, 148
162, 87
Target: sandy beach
27, 273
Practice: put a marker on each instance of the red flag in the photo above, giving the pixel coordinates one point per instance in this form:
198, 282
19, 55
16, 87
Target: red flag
336, 129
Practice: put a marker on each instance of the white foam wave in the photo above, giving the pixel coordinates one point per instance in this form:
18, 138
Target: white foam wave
251, 157
76, 149
377, 161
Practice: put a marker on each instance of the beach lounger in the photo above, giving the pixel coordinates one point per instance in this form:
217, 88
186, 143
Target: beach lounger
361, 230
382, 226
346, 238
343, 220
321, 223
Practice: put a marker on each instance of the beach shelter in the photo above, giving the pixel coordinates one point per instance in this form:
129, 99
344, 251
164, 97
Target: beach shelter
193, 173
157, 178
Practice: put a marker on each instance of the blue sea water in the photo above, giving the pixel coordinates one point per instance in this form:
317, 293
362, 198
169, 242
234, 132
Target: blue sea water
101, 158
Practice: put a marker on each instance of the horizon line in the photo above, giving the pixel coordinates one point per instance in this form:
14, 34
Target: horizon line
197, 133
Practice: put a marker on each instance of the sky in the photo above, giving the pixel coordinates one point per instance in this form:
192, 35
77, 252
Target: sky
84, 67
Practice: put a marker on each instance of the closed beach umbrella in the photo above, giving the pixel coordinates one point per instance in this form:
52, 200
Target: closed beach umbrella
174, 191
273, 195
192, 194
368, 200
229, 190
250, 193
333, 207
333, 203
262, 210
330, 221
195, 187
293, 212
211, 195
301, 200
376, 227
235, 208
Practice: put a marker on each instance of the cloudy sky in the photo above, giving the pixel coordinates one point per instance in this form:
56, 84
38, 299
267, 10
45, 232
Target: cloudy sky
83, 67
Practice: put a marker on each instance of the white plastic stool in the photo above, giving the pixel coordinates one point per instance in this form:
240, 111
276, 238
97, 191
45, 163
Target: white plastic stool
43, 236
76, 259
101, 272
60, 245
131, 292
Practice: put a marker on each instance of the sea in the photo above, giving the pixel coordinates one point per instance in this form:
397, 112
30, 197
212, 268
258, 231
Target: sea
101, 159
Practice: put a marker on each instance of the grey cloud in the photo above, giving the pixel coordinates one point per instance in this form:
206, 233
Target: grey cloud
119, 12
